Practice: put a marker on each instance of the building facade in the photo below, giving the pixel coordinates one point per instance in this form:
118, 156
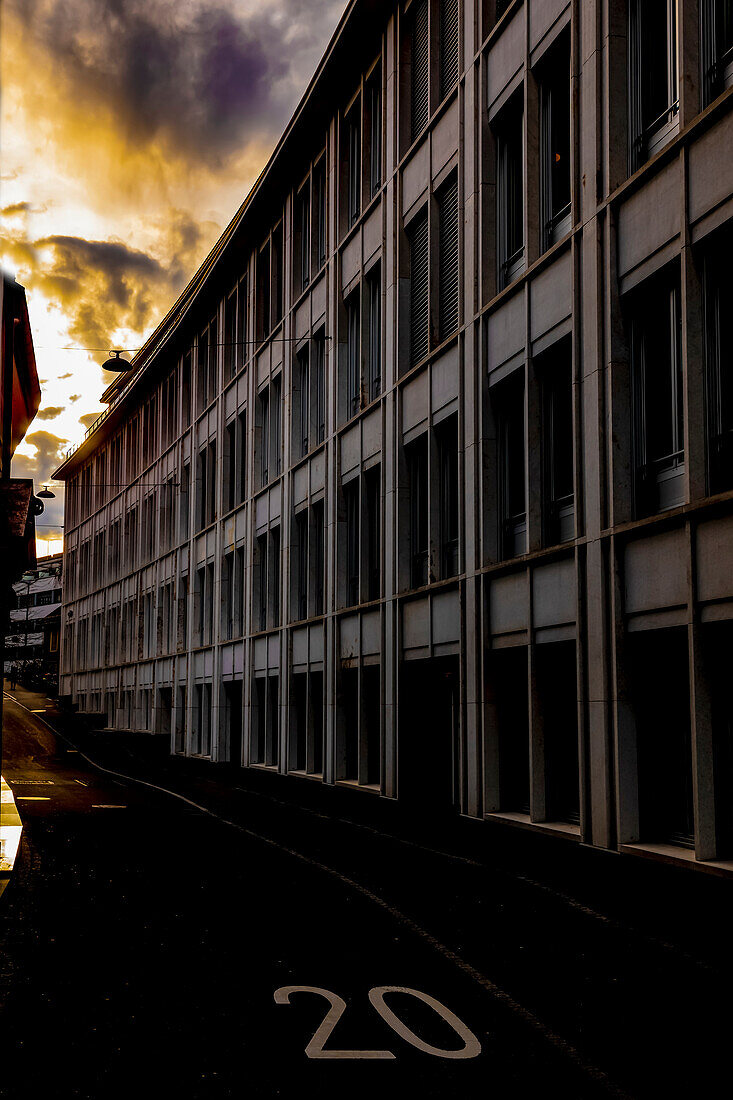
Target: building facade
32, 637
425, 484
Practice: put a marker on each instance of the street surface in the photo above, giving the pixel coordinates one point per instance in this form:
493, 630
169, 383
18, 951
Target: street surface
143, 942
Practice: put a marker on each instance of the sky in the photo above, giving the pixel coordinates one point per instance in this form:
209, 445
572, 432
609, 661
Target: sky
131, 131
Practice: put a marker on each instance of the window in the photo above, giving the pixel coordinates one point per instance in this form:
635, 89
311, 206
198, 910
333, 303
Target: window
449, 58
242, 455
319, 385
510, 180
277, 275
263, 292
353, 355
419, 71
267, 585
242, 346
352, 191
202, 744
227, 597
419, 288
653, 91
307, 734
132, 461
374, 296
319, 560
169, 411
447, 437
351, 507
276, 425
264, 748
320, 212
417, 466
207, 365
263, 403
448, 259
183, 502
186, 391
261, 582
359, 726
374, 102
276, 600
167, 514
230, 460
555, 373
301, 588
230, 335
718, 282
200, 595
303, 237
555, 143
659, 456
717, 47
373, 520
130, 543
302, 403
509, 402
206, 486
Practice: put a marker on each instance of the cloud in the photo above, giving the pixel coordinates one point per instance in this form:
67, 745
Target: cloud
15, 208
50, 412
69, 374
88, 419
189, 77
102, 288
49, 453
75, 397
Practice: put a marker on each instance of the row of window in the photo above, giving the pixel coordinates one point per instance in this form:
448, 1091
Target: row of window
542, 418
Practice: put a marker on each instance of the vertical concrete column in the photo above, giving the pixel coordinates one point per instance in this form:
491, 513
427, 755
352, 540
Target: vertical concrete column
701, 717
330, 642
693, 357
537, 785
390, 422
589, 352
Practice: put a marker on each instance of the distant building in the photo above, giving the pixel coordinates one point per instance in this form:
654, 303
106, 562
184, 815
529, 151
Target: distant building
425, 484
33, 633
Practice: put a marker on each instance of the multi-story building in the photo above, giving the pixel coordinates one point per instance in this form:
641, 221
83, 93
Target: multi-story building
425, 483
32, 636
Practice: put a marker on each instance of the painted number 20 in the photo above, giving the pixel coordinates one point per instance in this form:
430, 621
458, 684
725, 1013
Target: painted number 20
470, 1049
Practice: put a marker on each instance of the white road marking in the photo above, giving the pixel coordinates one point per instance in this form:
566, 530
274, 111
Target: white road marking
32, 798
81, 782
107, 806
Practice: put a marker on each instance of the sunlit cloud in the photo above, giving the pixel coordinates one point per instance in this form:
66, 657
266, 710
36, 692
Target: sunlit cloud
131, 132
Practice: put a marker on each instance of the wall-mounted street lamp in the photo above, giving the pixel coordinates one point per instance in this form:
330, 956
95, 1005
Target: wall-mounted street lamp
46, 493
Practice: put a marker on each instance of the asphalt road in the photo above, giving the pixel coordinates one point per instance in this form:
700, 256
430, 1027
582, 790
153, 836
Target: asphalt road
143, 941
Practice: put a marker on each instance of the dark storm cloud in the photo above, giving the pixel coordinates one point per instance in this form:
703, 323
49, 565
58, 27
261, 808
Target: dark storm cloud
199, 79
50, 412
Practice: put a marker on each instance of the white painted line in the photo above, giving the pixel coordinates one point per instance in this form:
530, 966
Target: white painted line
31, 798
106, 806
71, 750
80, 782
43, 711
